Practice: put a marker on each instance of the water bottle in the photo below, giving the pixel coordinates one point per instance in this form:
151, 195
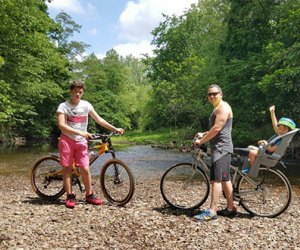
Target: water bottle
91, 155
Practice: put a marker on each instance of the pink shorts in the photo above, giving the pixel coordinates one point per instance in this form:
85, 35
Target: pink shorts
72, 151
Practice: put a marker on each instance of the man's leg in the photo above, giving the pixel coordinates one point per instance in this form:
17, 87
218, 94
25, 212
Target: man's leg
210, 214
215, 195
228, 190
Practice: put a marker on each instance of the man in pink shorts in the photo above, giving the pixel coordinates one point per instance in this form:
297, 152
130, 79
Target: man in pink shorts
72, 117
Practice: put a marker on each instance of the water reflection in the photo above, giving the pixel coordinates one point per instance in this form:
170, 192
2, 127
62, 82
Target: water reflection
144, 161
19, 159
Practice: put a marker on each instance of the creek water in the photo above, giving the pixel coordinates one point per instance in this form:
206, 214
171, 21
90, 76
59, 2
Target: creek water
144, 161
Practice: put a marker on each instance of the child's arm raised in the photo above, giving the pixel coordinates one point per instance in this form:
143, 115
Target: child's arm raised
274, 119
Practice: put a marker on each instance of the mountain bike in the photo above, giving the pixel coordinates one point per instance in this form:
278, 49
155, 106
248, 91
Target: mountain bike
265, 191
116, 178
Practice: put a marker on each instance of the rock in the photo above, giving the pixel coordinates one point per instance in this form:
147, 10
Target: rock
145, 223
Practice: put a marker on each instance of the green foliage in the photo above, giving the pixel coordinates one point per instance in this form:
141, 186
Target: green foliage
250, 48
281, 81
33, 68
262, 54
167, 136
186, 62
117, 87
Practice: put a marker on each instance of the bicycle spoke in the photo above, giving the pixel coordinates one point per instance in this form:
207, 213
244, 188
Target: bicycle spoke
47, 179
270, 197
184, 186
117, 182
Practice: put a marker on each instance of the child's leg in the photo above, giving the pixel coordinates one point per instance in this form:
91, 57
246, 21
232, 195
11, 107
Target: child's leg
82, 160
67, 172
66, 150
87, 180
252, 156
251, 147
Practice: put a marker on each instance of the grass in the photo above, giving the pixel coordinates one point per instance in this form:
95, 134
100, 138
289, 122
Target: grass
162, 136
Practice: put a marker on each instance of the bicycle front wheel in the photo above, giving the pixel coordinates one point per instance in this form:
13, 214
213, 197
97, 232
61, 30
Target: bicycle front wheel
117, 182
185, 186
267, 195
47, 178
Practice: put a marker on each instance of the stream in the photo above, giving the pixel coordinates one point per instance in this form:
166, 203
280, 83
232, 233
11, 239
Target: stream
145, 161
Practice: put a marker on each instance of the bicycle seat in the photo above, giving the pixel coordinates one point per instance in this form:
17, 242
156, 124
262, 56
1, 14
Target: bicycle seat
270, 160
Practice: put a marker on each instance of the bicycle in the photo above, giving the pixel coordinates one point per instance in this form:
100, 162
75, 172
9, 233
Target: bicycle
116, 178
265, 191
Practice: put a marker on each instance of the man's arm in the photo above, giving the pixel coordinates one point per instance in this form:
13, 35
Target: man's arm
222, 115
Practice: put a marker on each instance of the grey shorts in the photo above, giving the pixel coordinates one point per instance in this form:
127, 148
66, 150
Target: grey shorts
220, 170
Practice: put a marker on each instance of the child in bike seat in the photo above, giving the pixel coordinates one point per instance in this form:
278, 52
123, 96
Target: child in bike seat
283, 126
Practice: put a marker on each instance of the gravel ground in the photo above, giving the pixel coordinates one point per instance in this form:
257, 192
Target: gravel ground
145, 223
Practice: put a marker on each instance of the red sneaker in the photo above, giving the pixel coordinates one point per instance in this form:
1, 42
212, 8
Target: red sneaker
92, 199
70, 201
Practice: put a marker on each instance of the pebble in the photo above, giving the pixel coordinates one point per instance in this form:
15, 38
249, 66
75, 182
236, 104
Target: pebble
146, 222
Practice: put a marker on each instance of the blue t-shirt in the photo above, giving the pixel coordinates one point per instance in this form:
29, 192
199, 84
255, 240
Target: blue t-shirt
275, 143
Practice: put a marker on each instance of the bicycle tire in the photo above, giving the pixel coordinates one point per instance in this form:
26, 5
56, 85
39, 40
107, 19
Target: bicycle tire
269, 197
44, 182
184, 186
117, 191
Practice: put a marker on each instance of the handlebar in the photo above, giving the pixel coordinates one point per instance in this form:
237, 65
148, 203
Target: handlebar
200, 151
103, 137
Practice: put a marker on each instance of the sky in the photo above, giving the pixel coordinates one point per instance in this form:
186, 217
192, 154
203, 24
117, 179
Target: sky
118, 24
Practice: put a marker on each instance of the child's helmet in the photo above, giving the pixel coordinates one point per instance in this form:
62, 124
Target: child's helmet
287, 122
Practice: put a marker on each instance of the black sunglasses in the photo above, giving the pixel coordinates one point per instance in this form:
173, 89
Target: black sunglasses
213, 93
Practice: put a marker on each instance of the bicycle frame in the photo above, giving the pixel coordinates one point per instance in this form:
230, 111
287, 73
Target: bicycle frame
200, 163
256, 194
103, 147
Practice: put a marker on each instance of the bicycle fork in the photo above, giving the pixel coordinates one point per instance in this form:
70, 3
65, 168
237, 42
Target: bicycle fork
117, 179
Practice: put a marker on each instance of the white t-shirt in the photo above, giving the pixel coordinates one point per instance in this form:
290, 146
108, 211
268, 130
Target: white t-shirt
76, 116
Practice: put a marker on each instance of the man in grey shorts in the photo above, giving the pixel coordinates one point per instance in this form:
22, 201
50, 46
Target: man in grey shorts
219, 136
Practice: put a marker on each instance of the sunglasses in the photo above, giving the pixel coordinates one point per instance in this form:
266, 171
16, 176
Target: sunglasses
213, 94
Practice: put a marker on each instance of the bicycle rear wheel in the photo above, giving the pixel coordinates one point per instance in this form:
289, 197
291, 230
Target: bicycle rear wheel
184, 186
267, 195
117, 182
47, 178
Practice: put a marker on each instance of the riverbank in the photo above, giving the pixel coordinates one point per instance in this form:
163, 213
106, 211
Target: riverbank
163, 137
145, 223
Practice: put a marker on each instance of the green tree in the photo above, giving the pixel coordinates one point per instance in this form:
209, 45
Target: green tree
117, 87
261, 52
186, 61
281, 80
33, 68
136, 93
65, 29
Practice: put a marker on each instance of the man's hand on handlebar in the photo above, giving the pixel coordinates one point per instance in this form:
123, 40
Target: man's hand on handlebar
197, 138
